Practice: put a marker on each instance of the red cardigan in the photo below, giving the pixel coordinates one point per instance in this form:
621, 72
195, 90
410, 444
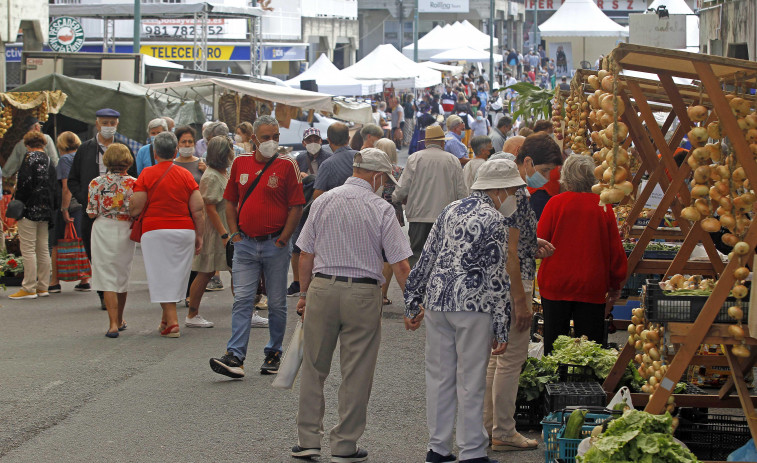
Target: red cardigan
589, 258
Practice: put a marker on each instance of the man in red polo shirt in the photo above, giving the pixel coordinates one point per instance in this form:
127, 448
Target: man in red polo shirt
260, 230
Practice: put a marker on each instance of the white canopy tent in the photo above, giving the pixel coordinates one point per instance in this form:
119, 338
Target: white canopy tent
473, 36
582, 19
332, 81
467, 54
445, 38
692, 20
443, 67
392, 67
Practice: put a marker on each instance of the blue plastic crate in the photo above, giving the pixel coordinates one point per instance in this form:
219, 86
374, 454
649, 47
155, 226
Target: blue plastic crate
568, 448
552, 424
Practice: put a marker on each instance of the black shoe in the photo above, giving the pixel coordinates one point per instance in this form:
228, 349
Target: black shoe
305, 454
360, 455
480, 460
294, 289
433, 457
271, 363
83, 287
53, 289
228, 365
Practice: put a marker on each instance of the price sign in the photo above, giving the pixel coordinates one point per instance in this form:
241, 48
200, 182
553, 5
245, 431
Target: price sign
218, 28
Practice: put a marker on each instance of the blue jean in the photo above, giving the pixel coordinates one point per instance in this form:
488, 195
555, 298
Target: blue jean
250, 259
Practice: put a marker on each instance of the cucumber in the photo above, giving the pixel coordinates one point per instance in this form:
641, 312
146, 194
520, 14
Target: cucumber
575, 422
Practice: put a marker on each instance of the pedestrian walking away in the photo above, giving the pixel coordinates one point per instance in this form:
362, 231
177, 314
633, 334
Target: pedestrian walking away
265, 200
342, 245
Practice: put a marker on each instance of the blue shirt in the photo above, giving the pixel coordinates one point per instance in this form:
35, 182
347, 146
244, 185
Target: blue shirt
462, 267
455, 146
335, 170
143, 158
64, 165
305, 161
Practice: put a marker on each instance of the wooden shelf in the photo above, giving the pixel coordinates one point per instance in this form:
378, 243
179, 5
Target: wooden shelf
659, 234
659, 266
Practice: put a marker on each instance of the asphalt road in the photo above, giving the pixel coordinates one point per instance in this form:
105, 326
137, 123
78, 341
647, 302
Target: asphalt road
68, 393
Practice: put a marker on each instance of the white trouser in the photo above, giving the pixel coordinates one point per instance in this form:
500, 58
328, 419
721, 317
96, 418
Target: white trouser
457, 353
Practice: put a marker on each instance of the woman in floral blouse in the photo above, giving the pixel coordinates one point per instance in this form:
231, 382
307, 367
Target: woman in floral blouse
461, 279
112, 250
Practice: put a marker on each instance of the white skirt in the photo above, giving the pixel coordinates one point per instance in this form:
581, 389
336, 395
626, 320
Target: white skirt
168, 257
112, 255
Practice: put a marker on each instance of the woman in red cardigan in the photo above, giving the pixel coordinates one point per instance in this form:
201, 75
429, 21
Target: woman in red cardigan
582, 279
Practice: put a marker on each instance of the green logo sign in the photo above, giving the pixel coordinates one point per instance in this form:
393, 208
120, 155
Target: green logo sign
65, 35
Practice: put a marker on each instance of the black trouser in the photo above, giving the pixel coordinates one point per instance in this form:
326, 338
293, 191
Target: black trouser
588, 320
418, 233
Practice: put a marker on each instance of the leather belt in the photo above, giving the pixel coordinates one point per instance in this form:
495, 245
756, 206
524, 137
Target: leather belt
368, 281
267, 237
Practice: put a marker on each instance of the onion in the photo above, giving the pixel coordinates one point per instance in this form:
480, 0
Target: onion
638, 345
742, 124
698, 135
736, 313
739, 175
697, 113
736, 332
653, 379
740, 351
607, 82
702, 206
740, 106
749, 198
751, 121
654, 354
741, 273
727, 221
598, 172
751, 135
700, 154
601, 74
657, 364
631, 328
690, 213
631, 341
646, 389
715, 152
644, 335
653, 336
692, 162
711, 225
702, 173
700, 191
713, 130
635, 320
621, 174
677, 280
715, 194
611, 196
741, 248
597, 188
647, 346
723, 187
730, 239
639, 327
739, 291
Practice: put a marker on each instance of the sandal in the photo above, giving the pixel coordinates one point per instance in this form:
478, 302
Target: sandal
123, 326
387, 301
169, 333
162, 326
516, 442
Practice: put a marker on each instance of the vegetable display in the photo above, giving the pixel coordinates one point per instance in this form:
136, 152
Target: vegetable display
638, 437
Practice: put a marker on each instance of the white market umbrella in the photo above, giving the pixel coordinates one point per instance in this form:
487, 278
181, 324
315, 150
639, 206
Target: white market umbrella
392, 67
468, 54
332, 81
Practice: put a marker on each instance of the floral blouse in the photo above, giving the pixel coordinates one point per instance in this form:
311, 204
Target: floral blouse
524, 220
462, 267
109, 196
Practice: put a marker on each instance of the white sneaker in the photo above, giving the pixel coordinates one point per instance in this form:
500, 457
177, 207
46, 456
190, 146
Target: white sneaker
197, 322
257, 321
263, 303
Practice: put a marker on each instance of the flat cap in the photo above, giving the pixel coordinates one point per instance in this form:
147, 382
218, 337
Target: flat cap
107, 112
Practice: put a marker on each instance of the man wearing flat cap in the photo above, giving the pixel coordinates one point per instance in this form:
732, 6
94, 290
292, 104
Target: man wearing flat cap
341, 300
88, 164
432, 179
31, 124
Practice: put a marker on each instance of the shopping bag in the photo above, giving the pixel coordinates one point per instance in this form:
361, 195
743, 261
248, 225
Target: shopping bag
292, 360
72, 261
622, 396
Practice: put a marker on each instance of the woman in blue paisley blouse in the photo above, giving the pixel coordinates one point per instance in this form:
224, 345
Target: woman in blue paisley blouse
461, 279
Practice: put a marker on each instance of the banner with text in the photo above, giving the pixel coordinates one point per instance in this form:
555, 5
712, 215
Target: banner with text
443, 6
606, 5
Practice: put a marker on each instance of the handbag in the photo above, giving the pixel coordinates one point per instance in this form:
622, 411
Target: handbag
290, 364
72, 260
230, 244
136, 226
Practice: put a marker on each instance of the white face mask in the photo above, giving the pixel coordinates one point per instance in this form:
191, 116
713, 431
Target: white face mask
380, 190
187, 151
313, 148
508, 206
268, 148
238, 139
108, 132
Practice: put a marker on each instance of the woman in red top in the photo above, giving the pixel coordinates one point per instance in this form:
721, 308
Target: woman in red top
172, 228
582, 279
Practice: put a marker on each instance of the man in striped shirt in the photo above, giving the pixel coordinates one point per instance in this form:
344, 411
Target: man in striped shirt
341, 245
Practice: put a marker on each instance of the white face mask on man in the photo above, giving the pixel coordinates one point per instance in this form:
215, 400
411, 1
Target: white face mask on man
313, 148
380, 189
107, 132
268, 148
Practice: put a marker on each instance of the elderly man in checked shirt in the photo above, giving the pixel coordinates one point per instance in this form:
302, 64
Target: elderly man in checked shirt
341, 245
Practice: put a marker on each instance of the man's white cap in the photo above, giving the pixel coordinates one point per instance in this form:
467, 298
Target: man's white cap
500, 173
375, 160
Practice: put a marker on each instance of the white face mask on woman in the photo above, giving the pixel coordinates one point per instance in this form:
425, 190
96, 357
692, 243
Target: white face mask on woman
238, 139
508, 206
186, 151
268, 148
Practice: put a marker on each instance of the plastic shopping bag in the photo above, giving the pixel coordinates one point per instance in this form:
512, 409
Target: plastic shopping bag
623, 395
292, 360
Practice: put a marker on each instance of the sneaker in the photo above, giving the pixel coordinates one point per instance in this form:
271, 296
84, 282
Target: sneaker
294, 289
271, 365
299, 452
21, 294
197, 322
360, 455
43, 293
214, 284
83, 287
262, 304
433, 457
228, 365
257, 321
54, 288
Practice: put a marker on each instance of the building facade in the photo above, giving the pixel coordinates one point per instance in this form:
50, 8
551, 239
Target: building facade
729, 28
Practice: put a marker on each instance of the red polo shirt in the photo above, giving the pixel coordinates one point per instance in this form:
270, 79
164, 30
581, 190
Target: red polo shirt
267, 208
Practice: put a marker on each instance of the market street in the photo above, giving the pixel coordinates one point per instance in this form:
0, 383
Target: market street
69, 393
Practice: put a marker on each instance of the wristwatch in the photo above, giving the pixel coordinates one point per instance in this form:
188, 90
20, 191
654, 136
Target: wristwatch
303, 295
224, 236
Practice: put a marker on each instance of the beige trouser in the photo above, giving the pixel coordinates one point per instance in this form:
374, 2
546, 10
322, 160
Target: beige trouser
32, 237
351, 314
502, 382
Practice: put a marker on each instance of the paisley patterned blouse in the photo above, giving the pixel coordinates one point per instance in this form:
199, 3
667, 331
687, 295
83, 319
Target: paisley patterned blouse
524, 220
109, 196
462, 267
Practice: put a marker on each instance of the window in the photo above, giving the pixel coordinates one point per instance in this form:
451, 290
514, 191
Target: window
738, 50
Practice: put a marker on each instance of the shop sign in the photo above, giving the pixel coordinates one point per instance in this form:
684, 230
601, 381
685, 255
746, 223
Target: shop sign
284, 53
188, 52
218, 28
65, 35
443, 6
13, 54
606, 5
